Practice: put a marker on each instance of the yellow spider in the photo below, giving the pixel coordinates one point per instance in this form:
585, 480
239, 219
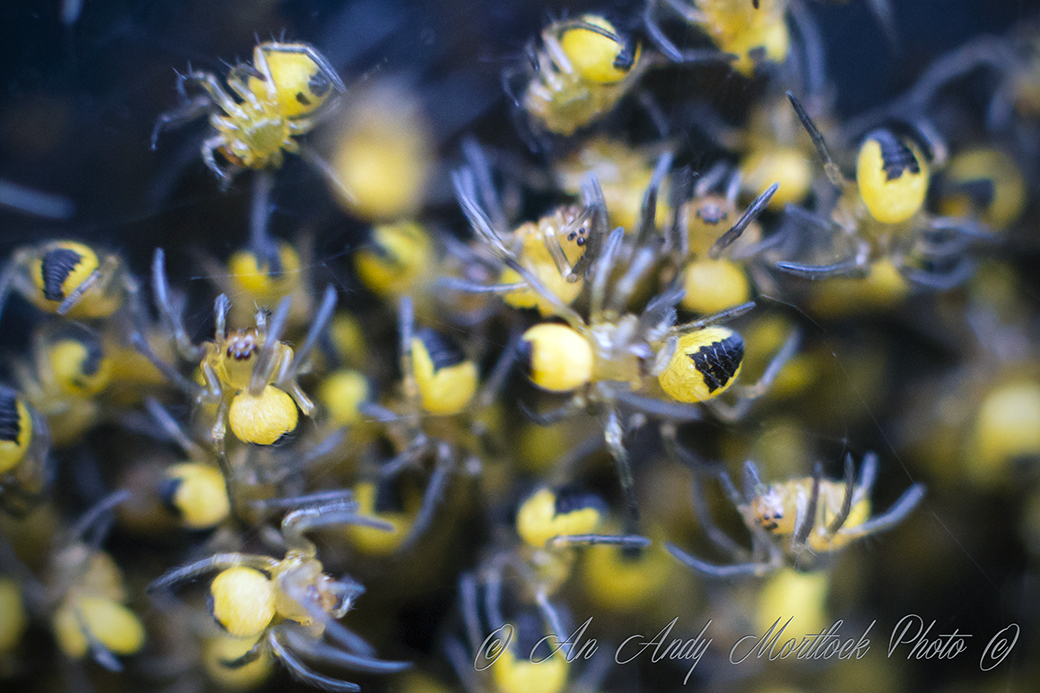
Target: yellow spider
273, 100
811, 516
290, 605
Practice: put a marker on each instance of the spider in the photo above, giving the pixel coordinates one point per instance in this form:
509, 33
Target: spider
605, 360
879, 216
84, 597
712, 257
445, 412
273, 100
752, 32
291, 604
68, 278
801, 519
25, 468
248, 373
584, 68
525, 652
557, 249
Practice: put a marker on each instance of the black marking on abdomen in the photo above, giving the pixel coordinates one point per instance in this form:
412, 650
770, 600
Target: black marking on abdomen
168, 493
55, 268
443, 350
319, 84
10, 422
718, 362
896, 157
570, 499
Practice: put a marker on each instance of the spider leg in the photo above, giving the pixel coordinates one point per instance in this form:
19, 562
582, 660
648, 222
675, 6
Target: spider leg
77, 294
805, 519
615, 437
406, 327
846, 503
337, 496
645, 259
499, 372
750, 214
846, 268
171, 317
318, 325
260, 242
704, 519
961, 272
468, 287
406, 458
309, 648
97, 517
481, 169
465, 668
470, 613
297, 523
209, 83
573, 406
189, 111
552, 620
812, 76
221, 561
664, 409
627, 541
701, 323
172, 429
601, 270
435, 487
867, 476
187, 386
719, 571
833, 172
304, 673
272, 353
753, 485
464, 180
648, 211
653, 29
100, 654
891, 517
208, 148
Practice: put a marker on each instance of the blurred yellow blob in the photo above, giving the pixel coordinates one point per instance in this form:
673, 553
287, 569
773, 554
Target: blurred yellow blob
383, 154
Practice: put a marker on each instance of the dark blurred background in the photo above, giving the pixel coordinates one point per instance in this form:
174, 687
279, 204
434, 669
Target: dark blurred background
78, 101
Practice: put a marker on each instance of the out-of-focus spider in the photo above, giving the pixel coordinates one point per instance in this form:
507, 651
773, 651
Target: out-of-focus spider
802, 519
291, 604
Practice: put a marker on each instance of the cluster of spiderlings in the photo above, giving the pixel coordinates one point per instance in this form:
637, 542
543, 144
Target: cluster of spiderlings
502, 421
